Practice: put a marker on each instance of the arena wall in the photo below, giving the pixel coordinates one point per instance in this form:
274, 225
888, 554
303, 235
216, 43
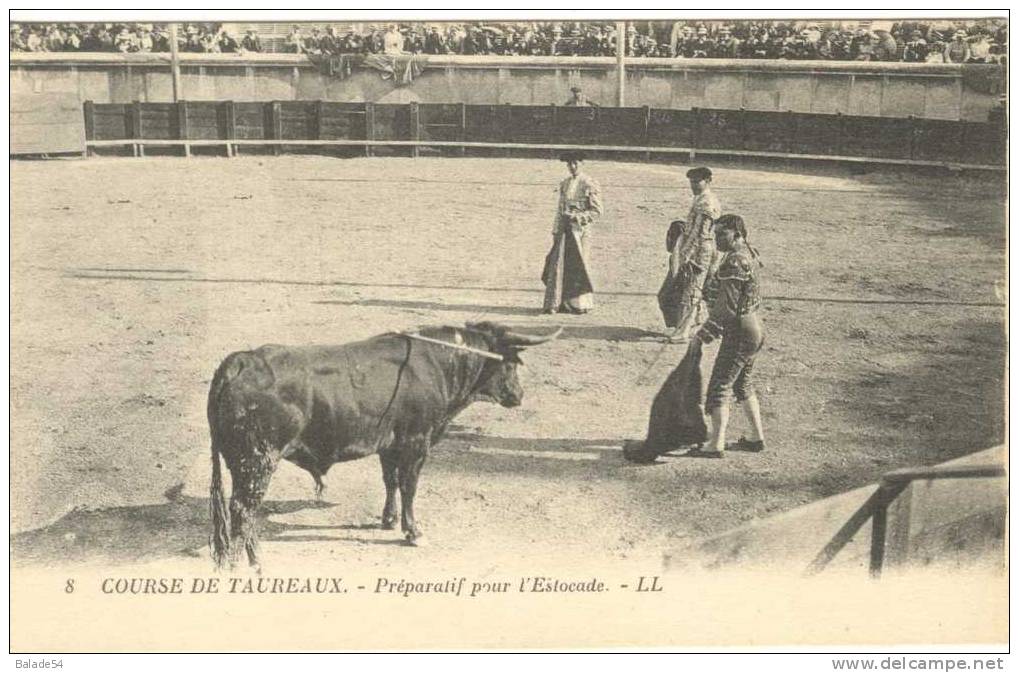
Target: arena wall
931, 91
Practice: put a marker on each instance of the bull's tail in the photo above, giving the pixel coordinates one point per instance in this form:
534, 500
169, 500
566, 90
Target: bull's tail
220, 540
218, 415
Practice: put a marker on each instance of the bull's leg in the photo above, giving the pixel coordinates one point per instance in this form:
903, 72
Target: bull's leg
251, 475
412, 458
390, 461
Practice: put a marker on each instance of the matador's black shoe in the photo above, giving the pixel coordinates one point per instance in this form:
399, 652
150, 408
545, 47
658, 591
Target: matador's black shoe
698, 452
745, 444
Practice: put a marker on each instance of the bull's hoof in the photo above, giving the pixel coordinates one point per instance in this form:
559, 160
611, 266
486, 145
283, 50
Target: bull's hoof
388, 524
416, 540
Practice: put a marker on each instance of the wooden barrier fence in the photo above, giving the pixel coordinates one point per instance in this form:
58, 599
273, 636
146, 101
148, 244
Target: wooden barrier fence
894, 492
458, 127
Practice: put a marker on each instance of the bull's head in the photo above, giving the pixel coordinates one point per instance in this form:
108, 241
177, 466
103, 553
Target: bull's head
499, 382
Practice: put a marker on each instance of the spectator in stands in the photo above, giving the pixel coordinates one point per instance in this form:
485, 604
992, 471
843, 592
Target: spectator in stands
251, 42
72, 39
392, 41
701, 47
676, 37
455, 35
900, 44
376, 40
843, 45
413, 42
862, 46
194, 40
775, 46
957, 51
88, 40
33, 42
330, 42
980, 48
17, 41
125, 41
142, 40
53, 39
160, 39
728, 46
484, 41
540, 44
999, 53
592, 41
469, 46
95, 39
210, 43
824, 49
936, 53
756, 46
312, 42
295, 41
515, 45
578, 99
499, 41
986, 42
797, 47
916, 50
885, 47
227, 43
434, 44
353, 44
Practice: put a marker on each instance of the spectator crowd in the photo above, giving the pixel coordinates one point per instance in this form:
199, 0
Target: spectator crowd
969, 41
129, 38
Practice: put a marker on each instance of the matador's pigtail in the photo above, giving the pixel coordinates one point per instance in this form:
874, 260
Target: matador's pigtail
754, 253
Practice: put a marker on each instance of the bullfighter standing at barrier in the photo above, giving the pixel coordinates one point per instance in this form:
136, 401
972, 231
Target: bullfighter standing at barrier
692, 255
568, 287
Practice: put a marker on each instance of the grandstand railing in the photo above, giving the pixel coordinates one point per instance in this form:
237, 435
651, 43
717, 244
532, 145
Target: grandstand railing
457, 128
162, 59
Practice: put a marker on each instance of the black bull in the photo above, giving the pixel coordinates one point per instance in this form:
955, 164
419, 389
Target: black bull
318, 405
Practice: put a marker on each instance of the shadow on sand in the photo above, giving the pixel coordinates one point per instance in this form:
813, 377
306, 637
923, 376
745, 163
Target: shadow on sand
179, 528
438, 306
574, 331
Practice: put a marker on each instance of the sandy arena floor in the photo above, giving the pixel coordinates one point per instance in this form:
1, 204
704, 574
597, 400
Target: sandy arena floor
133, 278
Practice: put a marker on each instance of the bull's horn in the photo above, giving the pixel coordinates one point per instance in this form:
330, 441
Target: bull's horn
518, 339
